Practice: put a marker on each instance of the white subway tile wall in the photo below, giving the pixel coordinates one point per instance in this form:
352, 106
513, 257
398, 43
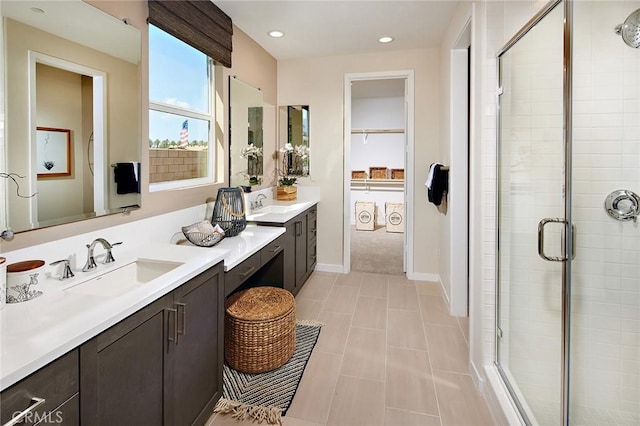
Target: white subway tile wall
606, 273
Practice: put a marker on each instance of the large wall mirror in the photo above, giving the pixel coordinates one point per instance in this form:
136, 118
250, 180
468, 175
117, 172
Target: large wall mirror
294, 138
246, 134
72, 105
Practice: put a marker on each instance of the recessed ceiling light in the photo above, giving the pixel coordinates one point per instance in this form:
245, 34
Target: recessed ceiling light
385, 39
276, 34
37, 10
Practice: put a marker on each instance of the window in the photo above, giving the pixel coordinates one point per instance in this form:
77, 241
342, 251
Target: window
181, 116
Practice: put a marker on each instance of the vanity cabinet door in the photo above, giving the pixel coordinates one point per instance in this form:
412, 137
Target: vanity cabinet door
289, 273
163, 364
122, 369
196, 357
312, 232
301, 249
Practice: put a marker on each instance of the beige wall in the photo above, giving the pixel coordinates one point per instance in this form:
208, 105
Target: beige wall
319, 83
251, 63
254, 66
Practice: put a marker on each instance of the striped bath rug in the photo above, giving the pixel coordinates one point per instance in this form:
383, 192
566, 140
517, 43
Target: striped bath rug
267, 396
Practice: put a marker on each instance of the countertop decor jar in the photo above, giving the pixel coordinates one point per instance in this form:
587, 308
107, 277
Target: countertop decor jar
20, 277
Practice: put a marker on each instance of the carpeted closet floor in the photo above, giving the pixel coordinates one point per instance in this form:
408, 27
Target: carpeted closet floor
378, 251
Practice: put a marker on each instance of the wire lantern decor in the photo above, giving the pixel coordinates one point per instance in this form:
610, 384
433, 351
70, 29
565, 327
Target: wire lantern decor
229, 211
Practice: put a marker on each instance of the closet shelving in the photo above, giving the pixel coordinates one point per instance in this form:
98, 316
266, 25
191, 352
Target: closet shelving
374, 131
367, 183
374, 182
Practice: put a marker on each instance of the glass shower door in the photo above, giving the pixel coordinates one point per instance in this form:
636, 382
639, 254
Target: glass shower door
530, 201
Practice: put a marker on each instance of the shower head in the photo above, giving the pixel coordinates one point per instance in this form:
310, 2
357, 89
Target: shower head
630, 30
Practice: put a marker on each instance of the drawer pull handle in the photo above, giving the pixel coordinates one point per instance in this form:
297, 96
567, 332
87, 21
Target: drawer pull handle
182, 307
275, 249
247, 272
35, 403
172, 334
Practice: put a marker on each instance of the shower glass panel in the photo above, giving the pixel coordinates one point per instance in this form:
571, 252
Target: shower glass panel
605, 285
530, 188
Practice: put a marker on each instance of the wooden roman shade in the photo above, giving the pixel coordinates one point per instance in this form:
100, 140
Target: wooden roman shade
199, 23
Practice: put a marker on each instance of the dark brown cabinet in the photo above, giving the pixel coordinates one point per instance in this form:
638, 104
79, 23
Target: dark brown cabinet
262, 268
48, 396
163, 364
299, 243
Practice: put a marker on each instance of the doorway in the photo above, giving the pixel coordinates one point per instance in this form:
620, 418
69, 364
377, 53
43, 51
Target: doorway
378, 156
84, 90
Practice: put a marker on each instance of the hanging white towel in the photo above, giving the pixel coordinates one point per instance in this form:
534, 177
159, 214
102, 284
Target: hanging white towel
432, 169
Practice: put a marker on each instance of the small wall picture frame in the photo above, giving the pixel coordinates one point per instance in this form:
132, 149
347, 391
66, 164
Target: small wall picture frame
53, 152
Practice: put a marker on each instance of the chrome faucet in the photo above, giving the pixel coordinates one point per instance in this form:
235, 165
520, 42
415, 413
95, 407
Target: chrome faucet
91, 262
257, 203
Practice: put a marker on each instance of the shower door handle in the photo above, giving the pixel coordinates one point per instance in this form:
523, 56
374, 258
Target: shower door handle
541, 252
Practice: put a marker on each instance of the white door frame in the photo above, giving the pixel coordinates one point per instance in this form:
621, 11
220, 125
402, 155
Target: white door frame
459, 128
408, 75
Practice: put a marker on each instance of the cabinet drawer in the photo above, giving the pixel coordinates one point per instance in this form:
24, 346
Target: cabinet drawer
236, 276
55, 383
67, 414
311, 257
269, 251
312, 223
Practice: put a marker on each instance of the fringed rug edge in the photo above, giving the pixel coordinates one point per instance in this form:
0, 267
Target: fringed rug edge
242, 411
310, 323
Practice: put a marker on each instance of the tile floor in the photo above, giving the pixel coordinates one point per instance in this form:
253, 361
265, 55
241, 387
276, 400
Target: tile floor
388, 354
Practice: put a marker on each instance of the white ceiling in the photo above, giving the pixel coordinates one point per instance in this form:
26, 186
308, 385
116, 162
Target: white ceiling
326, 28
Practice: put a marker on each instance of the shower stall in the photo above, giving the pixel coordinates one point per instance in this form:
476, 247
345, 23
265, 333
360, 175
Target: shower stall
568, 250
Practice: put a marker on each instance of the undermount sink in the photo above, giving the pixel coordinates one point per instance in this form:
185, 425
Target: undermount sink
120, 280
276, 209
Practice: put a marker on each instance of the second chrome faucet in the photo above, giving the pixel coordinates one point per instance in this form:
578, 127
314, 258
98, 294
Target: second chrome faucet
91, 262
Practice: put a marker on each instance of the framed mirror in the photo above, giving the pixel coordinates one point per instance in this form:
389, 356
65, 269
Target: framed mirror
72, 103
246, 134
294, 138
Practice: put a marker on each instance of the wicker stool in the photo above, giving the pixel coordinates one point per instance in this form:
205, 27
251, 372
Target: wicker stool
259, 329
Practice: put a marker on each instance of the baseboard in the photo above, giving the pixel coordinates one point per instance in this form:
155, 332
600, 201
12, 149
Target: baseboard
328, 267
447, 296
421, 276
477, 378
500, 404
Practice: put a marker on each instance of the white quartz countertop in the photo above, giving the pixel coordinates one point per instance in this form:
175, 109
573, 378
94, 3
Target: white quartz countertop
280, 211
247, 243
36, 332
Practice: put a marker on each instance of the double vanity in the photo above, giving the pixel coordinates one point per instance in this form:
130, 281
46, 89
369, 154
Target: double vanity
140, 340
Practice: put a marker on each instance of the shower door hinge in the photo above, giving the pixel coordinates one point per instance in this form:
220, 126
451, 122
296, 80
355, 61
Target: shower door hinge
499, 332
499, 90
